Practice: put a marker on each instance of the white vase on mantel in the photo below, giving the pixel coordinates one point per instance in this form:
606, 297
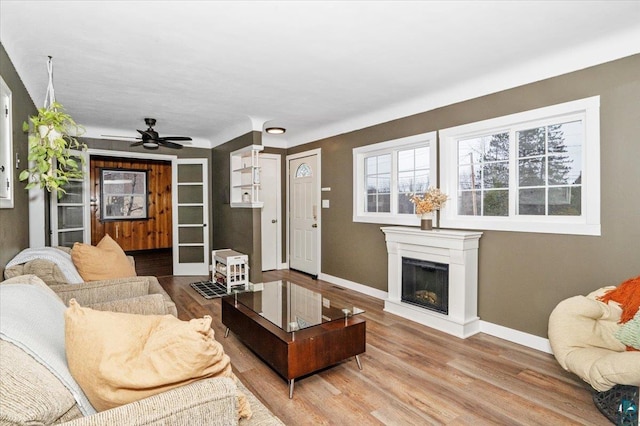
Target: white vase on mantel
426, 221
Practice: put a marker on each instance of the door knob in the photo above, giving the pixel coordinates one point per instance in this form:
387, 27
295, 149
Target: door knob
315, 225
273, 220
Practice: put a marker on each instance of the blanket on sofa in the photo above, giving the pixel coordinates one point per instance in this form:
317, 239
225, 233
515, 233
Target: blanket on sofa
33, 319
59, 257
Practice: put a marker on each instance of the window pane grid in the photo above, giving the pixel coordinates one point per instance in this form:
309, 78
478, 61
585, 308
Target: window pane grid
413, 176
554, 176
483, 175
550, 170
378, 183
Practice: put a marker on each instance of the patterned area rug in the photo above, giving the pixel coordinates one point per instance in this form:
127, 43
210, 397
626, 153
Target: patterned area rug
210, 290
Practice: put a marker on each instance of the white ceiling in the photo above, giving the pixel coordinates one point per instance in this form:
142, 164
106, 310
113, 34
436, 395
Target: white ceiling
215, 70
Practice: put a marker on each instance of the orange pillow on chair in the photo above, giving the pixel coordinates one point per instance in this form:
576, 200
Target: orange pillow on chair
104, 261
627, 295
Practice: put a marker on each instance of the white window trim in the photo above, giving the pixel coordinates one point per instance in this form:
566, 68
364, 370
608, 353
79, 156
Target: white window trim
6, 147
588, 223
359, 213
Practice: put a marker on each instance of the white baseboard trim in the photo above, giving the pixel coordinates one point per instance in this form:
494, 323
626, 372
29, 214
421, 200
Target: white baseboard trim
505, 333
515, 336
360, 288
284, 265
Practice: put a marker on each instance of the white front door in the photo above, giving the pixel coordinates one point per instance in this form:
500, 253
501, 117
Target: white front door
271, 228
190, 216
304, 214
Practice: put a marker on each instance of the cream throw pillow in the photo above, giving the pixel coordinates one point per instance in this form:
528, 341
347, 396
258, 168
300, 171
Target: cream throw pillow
118, 358
105, 261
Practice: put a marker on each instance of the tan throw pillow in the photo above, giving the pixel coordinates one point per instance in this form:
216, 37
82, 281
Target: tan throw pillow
105, 261
118, 358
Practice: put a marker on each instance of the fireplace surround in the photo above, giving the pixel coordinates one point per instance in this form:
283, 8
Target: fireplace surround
456, 249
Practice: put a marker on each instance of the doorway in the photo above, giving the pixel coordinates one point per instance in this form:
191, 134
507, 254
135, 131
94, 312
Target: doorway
188, 208
150, 232
304, 218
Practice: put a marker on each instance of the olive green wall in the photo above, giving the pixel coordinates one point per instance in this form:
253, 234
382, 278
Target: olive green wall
522, 276
14, 223
235, 228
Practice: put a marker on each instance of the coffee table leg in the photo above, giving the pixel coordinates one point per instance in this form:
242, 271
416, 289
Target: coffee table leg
226, 332
291, 383
358, 361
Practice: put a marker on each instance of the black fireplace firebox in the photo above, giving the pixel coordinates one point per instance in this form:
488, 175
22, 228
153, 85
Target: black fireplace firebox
426, 284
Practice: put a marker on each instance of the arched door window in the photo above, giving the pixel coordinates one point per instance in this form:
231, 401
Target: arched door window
303, 170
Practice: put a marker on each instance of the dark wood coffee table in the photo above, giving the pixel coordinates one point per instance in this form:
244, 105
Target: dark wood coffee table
295, 330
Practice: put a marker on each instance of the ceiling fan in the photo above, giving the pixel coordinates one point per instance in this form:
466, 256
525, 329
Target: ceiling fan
150, 139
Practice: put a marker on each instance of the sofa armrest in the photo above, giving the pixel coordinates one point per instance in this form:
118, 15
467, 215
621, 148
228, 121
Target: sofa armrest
209, 401
102, 291
117, 289
156, 288
151, 304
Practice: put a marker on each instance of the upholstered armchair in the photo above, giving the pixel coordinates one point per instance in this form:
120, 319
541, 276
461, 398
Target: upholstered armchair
589, 340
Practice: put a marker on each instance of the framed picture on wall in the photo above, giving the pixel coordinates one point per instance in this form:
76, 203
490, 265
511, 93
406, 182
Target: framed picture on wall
124, 194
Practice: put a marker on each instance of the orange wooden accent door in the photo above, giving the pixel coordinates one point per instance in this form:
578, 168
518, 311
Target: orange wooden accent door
151, 233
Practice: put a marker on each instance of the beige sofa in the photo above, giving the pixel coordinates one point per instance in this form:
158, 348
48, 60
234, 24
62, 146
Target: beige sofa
31, 394
104, 291
582, 336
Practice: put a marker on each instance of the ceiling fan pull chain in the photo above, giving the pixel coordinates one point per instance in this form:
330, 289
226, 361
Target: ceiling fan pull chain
50, 96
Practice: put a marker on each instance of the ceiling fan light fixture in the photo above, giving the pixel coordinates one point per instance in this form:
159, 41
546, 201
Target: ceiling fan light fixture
275, 130
150, 144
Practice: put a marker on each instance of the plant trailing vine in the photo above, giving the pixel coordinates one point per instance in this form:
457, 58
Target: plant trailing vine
52, 136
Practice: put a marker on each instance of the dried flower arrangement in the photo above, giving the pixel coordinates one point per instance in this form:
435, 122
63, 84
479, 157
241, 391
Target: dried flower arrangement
432, 200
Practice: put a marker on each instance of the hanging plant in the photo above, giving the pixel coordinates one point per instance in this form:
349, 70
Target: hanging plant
51, 137
52, 134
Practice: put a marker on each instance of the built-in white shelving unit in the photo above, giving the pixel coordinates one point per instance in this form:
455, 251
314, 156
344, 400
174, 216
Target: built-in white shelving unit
245, 177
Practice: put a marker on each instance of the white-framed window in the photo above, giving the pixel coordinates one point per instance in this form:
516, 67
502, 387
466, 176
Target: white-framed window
386, 173
6, 148
535, 171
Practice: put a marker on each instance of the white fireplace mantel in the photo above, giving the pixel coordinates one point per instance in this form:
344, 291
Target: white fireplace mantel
459, 250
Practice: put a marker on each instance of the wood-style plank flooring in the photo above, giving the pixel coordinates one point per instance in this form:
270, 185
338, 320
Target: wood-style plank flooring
412, 374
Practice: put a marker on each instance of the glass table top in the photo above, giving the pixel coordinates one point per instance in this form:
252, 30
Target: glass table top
293, 307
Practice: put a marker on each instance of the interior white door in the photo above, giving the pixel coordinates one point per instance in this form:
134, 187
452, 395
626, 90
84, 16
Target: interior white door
190, 216
271, 229
303, 214
70, 215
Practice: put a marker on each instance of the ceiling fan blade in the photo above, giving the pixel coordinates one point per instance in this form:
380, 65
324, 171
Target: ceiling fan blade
176, 138
137, 143
169, 144
120, 137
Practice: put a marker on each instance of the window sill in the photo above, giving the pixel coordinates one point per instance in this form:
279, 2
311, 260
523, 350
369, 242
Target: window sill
408, 220
523, 225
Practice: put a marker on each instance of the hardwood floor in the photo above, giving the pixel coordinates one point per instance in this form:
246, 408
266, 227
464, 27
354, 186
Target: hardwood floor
157, 262
412, 374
